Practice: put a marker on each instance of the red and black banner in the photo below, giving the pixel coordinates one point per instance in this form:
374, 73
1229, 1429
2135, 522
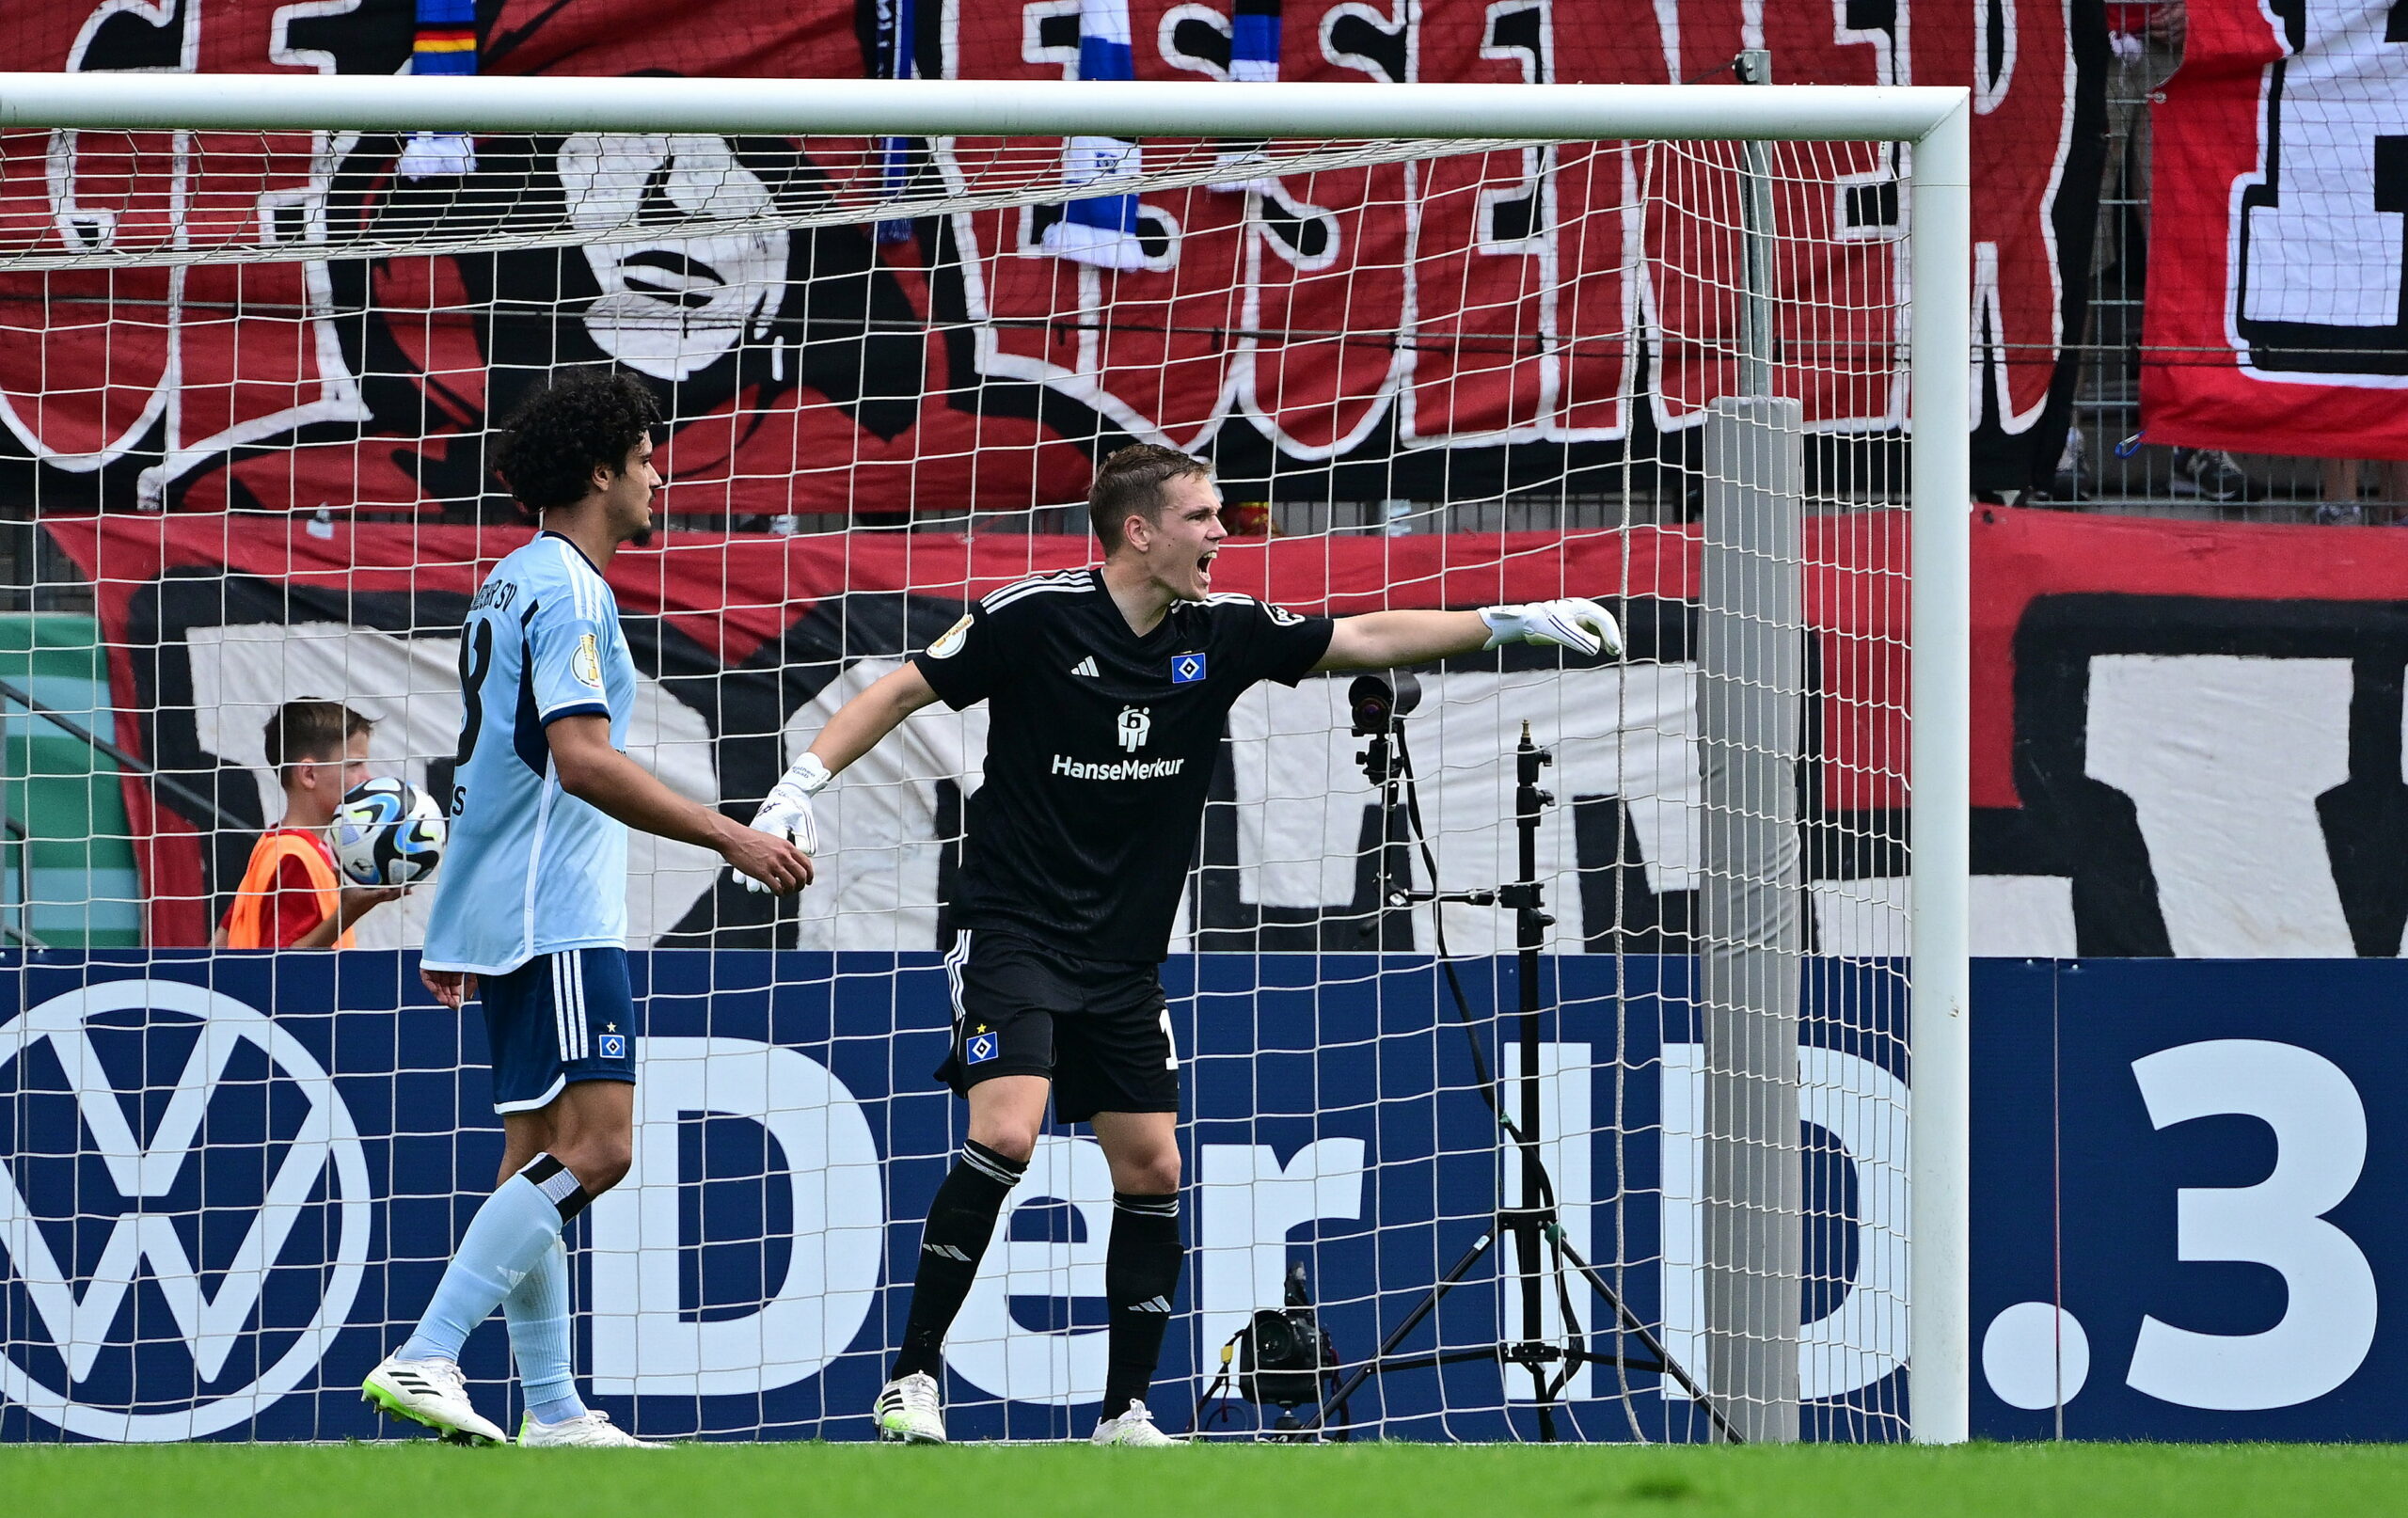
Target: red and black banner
1394, 331
744, 646
2187, 736
2276, 316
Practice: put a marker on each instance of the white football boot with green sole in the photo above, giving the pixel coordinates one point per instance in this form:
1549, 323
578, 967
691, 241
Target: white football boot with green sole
432, 1392
909, 1411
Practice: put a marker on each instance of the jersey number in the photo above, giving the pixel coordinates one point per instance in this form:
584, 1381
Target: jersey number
476, 658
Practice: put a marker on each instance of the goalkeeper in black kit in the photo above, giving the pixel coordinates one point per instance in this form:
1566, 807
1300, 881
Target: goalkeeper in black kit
1108, 688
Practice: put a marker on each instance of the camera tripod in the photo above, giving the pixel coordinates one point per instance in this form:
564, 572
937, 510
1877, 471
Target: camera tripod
1532, 1223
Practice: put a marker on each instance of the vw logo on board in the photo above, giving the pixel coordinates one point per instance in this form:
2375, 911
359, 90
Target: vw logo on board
191, 1260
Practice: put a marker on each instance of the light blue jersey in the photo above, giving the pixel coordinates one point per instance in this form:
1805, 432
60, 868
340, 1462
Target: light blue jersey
531, 868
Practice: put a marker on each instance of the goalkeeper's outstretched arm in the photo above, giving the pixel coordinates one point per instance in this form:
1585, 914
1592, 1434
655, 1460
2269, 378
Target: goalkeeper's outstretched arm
861, 722
1378, 639
1383, 639
858, 727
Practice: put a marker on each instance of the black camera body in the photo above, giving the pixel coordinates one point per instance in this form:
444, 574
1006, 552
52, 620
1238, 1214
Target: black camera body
1379, 702
1283, 1352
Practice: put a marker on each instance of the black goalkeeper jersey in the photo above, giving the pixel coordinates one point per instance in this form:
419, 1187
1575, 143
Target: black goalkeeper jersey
1099, 749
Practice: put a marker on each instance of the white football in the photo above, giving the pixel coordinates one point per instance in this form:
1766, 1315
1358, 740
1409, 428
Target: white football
389, 832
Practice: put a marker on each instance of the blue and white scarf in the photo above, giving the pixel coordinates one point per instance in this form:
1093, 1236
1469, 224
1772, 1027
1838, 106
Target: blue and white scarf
1102, 231
446, 44
1254, 59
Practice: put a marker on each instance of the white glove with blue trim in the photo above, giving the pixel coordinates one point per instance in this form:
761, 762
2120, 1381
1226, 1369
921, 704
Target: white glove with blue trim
1583, 627
785, 811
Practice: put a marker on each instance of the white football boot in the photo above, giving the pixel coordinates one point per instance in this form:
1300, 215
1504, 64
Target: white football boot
1132, 1429
586, 1431
432, 1392
907, 1411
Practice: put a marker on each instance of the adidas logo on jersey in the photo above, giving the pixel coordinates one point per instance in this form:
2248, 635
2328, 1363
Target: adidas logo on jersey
1087, 667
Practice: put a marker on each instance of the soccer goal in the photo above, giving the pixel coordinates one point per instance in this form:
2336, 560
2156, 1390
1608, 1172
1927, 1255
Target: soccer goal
1574, 1048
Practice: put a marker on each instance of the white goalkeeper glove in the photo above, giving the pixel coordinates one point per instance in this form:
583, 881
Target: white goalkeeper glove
785, 811
1583, 627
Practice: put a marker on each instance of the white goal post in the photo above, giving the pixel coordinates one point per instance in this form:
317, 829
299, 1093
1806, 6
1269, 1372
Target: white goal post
1933, 121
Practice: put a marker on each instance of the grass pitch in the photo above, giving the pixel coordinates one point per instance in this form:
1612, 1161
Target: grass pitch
1367, 1480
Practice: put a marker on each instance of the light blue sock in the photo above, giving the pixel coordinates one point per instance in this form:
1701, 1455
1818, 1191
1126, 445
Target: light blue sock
505, 1239
537, 1312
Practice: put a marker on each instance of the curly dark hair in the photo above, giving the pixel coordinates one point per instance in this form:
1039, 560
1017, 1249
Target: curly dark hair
1131, 480
559, 437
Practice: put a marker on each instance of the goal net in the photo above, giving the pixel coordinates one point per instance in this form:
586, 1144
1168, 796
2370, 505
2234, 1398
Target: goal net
250, 382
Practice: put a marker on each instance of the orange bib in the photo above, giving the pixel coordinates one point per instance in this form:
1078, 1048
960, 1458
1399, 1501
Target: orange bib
246, 922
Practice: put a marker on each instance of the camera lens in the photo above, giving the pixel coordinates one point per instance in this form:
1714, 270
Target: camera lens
1376, 701
1274, 1341
1370, 700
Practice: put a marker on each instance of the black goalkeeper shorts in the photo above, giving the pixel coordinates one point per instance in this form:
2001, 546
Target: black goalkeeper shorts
1099, 1030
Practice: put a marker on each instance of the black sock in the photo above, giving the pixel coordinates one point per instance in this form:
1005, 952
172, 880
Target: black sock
960, 1221
1140, 1277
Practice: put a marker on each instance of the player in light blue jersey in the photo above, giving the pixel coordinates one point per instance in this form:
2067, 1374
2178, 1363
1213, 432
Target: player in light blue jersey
530, 916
